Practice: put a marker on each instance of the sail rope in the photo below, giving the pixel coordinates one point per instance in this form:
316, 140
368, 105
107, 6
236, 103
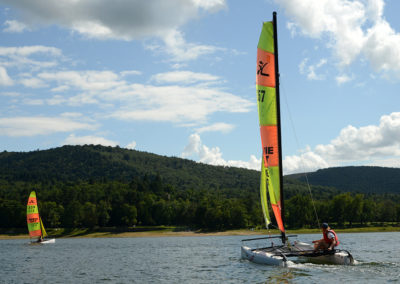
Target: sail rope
298, 147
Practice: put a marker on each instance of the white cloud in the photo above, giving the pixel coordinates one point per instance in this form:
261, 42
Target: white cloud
90, 80
130, 72
180, 50
183, 77
37, 125
32, 83
29, 50
213, 156
179, 104
353, 29
5, 80
344, 78
310, 70
13, 26
125, 20
216, 127
372, 145
30, 58
88, 140
131, 145
306, 162
123, 100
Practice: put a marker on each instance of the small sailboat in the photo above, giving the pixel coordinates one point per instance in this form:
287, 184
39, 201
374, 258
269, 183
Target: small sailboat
37, 233
267, 87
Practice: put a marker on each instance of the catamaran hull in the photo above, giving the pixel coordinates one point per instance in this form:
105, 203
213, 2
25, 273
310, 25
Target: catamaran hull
262, 257
271, 256
45, 241
339, 258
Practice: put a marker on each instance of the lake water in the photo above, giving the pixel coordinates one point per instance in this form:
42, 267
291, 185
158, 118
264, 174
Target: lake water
188, 260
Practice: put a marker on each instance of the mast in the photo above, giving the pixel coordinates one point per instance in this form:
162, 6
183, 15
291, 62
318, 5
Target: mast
278, 112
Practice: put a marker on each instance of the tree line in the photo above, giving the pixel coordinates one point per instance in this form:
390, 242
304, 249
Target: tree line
150, 201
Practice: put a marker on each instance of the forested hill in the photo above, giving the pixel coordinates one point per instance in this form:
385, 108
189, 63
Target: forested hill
357, 179
102, 164
89, 186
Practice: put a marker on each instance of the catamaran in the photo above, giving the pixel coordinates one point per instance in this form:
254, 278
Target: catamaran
37, 233
267, 87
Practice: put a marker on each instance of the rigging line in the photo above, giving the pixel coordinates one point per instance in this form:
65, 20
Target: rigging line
298, 147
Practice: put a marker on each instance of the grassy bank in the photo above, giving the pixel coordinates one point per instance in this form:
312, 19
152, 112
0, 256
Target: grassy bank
162, 231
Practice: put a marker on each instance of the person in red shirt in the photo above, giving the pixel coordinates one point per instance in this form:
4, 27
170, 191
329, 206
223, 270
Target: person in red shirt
329, 240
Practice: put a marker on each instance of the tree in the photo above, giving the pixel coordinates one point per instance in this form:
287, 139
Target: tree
103, 213
51, 213
129, 215
340, 204
73, 215
89, 215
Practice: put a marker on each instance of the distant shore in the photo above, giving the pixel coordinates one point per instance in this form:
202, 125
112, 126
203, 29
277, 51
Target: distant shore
174, 232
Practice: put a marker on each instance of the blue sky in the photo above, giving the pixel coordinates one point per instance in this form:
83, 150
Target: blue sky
177, 78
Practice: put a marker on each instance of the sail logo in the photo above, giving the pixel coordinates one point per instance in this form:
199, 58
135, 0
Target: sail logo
33, 220
265, 68
261, 66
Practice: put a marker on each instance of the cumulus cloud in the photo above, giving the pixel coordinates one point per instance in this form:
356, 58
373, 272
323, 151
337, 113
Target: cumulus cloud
124, 20
372, 145
13, 26
352, 28
131, 145
88, 140
38, 125
213, 156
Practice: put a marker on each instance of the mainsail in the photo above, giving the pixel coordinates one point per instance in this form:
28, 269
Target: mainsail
32, 217
267, 86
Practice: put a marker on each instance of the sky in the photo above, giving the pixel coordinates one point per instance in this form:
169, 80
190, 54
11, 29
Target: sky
177, 78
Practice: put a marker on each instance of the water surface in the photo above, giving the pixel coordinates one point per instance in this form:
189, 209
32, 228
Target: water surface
188, 260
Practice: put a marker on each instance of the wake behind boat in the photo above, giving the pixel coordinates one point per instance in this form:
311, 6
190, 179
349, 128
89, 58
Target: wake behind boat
37, 233
267, 87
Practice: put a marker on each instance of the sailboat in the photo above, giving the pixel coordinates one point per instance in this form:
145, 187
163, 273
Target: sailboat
267, 87
37, 233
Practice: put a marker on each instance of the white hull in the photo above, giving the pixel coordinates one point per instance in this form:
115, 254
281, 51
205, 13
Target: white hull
262, 257
48, 241
45, 241
277, 256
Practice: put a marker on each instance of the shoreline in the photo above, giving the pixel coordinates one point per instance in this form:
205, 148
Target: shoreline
171, 232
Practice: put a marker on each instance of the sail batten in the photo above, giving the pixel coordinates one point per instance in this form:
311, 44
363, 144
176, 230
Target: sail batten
268, 112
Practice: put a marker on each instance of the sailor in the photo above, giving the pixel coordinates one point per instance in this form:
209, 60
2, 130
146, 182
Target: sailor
329, 240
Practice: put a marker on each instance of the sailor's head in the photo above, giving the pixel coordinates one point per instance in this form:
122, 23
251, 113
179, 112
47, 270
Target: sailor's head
324, 226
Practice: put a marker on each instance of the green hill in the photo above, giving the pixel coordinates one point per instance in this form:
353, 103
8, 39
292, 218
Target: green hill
96, 186
99, 163
356, 179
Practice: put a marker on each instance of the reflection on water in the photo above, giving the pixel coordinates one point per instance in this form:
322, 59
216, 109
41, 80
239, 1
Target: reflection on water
188, 260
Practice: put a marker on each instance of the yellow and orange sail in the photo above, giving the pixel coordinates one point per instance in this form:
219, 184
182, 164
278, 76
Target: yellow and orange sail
35, 225
266, 83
